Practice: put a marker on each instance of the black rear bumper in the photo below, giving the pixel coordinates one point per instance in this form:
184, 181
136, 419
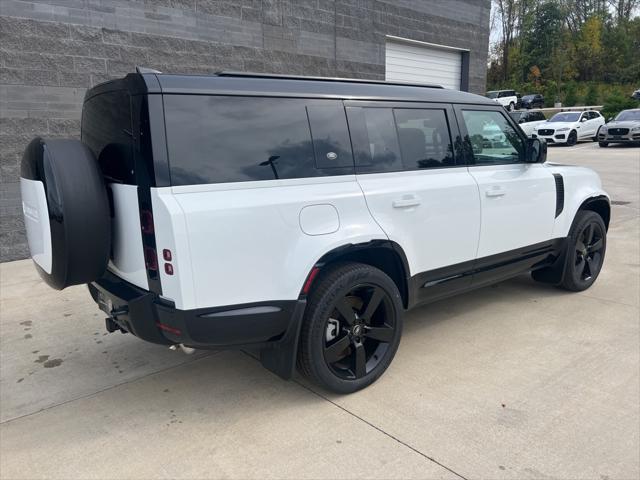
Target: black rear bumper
272, 327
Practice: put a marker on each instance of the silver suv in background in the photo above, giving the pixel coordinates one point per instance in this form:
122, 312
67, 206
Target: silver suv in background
624, 128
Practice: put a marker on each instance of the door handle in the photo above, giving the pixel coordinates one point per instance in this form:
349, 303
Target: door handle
406, 201
495, 191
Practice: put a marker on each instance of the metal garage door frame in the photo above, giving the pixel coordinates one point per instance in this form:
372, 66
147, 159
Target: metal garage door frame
464, 55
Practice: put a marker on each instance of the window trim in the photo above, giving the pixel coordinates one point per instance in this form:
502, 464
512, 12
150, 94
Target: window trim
462, 127
459, 157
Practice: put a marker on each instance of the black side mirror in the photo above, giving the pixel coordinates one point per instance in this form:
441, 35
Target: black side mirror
536, 150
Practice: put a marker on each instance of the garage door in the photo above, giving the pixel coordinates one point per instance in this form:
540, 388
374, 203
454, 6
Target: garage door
407, 62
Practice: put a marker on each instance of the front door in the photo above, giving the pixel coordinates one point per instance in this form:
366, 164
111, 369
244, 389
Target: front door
518, 199
418, 190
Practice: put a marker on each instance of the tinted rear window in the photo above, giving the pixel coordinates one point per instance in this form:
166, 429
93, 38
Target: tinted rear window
217, 139
106, 130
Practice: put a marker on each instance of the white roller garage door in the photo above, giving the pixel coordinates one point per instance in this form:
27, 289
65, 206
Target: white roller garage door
417, 63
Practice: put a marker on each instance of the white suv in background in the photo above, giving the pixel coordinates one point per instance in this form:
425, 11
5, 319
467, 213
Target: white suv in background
571, 127
507, 98
299, 217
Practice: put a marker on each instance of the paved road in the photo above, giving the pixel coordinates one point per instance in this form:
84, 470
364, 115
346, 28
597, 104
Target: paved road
512, 381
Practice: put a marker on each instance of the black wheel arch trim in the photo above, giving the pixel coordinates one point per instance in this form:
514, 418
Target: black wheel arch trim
601, 204
393, 262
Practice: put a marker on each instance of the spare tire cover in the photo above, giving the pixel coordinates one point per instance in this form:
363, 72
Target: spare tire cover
66, 211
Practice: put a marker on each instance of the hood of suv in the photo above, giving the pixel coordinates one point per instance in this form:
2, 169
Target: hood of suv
555, 125
624, 124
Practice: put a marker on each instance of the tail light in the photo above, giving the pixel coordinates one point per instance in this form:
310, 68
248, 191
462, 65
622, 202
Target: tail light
146, 222
151, 259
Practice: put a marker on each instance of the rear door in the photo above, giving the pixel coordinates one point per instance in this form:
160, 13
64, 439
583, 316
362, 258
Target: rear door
418, 189
517, 198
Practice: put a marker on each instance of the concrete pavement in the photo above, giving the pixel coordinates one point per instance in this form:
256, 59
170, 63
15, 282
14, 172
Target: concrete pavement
512, 381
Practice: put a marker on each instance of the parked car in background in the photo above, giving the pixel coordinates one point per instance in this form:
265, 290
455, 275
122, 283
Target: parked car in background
528, 120
507, 98
625, 128
570, 127
636, 94
532, 101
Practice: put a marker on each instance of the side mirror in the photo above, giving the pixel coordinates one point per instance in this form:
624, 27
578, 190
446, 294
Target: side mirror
536, 150
583, 119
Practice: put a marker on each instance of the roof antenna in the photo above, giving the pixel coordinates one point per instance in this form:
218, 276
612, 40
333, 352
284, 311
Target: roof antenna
142, 70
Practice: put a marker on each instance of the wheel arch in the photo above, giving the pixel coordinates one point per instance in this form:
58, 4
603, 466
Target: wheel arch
599, 204
385, 255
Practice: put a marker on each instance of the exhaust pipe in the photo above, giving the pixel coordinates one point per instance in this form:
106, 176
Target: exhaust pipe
185, 349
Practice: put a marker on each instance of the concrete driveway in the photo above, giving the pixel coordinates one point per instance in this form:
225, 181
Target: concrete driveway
513, 381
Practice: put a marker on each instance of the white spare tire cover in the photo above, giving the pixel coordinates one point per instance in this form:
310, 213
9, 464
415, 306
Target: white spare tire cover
66, 211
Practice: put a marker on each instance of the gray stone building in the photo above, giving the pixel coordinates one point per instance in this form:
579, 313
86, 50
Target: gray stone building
51, 51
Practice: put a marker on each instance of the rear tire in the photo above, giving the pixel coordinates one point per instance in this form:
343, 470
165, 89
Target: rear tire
511, 107
77, 208
586, 247
352, 327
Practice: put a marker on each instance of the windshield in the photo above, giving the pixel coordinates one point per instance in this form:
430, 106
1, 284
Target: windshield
491, 94
528, 97
627, 115
565, 117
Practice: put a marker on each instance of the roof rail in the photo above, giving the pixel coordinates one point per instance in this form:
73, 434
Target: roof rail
226, 73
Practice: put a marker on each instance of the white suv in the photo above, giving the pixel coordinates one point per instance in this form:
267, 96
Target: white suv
570, 127
507, 98
300, 216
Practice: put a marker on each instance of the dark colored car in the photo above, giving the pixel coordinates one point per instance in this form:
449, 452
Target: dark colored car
533, 101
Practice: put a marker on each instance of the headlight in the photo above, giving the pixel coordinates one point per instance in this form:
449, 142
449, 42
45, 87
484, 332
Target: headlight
603, 129
563, 129
636, 129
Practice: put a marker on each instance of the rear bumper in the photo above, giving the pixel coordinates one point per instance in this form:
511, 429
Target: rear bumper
264, 325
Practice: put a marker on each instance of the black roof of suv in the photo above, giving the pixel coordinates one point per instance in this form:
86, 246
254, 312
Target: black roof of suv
253, 84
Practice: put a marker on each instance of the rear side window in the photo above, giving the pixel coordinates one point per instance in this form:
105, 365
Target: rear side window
424, 138
107, 131
218, 139
400, 139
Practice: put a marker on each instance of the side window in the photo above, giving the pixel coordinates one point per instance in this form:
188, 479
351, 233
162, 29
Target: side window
374, 139
330, 135
584, 116
106, 130
424, 138
539, 116
493, 140
217, 139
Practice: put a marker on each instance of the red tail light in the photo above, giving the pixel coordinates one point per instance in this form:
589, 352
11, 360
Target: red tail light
146, 222
151, 258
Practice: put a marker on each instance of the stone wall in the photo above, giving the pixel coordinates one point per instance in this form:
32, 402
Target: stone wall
51, 51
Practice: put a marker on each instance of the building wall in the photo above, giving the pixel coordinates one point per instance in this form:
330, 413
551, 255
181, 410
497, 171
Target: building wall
51, 51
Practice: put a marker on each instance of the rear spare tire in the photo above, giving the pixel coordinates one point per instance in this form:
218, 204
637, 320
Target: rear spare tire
66, 211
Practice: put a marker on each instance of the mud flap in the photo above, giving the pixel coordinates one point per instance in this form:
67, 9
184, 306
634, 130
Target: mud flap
281, 357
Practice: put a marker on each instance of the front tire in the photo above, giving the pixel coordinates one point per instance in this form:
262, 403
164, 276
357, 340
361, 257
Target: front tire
587, 244
352, 327
603, 144
572, 139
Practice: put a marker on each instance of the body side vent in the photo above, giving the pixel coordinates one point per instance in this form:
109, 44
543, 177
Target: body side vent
559, 193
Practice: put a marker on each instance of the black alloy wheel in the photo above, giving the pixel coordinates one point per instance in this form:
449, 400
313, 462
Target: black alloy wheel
572, 139
359, 331
589, 251
587, 244
352, 327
